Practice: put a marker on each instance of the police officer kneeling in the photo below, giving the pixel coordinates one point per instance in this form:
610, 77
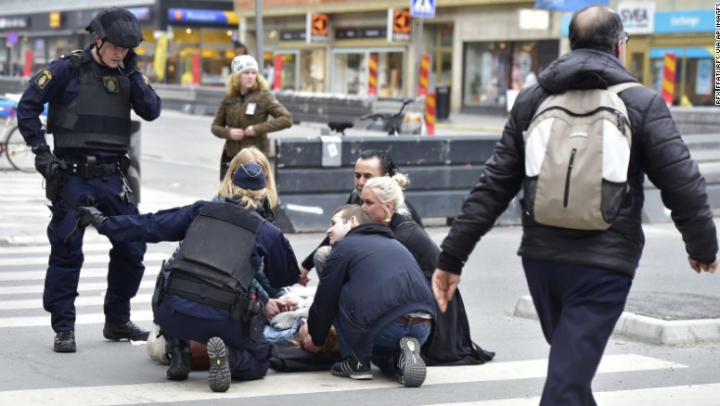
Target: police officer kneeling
203, 294
90, 95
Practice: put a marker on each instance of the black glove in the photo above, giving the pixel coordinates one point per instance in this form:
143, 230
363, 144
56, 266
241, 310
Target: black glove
90, 215
130, 63
44, 160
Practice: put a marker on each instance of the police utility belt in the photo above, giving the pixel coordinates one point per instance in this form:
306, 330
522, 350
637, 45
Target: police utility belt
236, 301
97, 167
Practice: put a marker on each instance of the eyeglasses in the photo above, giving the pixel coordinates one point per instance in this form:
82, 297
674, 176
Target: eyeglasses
625, 37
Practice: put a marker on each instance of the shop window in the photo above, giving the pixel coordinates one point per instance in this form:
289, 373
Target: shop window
699, 88
658, 71
496, 71
186, 35
351, 70
289, 71
349, 75
312, 72
389, 80
693, 78
637, 64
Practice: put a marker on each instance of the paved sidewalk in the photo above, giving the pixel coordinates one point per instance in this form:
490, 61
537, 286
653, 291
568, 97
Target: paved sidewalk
473, 122
637, 326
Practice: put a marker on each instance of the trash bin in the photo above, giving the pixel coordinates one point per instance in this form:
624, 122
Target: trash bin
442, 102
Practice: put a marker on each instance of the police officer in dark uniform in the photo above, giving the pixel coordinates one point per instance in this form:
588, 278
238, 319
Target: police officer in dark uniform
90, 94
205, 294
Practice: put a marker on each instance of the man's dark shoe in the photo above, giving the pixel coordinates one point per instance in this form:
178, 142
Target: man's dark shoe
219, 375
128, 331
411, 365
353, 368
64, 342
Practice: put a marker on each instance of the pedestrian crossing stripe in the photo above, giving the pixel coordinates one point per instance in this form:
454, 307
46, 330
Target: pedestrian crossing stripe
696, 395
40, 260
278, 384
97, 300
45, 249
92, 318
83, 287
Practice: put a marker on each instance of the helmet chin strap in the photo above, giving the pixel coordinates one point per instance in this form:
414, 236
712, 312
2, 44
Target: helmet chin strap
97, 51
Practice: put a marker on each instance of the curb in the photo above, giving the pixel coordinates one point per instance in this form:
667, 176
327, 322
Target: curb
648, 329
468, 127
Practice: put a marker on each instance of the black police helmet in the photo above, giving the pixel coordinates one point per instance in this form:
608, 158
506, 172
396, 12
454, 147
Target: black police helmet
117, 26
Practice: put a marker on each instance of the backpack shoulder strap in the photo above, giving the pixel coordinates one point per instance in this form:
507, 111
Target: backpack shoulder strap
622, 86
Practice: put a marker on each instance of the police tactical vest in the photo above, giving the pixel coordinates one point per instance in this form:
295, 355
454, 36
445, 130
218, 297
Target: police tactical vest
99, 116
218, 245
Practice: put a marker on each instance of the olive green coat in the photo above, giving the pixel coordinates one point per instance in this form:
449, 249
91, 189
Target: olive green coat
231, 114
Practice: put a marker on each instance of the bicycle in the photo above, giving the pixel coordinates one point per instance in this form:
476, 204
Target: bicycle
394, 124
18, 153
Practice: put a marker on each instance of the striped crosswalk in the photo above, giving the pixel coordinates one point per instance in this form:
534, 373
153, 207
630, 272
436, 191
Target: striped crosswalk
128, 378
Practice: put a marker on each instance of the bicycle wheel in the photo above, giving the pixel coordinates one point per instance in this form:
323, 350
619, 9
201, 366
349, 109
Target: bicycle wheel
18, 153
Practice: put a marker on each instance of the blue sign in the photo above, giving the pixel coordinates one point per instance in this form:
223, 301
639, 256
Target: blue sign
689, 53
13, 37
202, 16
568, 5
141, 13
669, 22
422, 8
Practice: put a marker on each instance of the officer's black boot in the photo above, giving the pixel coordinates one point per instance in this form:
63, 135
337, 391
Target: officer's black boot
128, 331
180, 359
64, 341
222, 362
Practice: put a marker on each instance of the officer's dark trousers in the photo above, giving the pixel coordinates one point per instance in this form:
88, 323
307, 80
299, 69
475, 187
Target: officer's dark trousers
189, 320
125, 270
578, 307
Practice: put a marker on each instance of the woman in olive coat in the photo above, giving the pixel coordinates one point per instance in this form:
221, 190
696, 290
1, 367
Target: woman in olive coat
242, 117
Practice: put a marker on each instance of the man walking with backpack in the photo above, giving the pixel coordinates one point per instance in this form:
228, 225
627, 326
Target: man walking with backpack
580, 143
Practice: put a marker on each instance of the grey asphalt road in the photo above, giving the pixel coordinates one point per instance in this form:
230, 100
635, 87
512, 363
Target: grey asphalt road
179, 165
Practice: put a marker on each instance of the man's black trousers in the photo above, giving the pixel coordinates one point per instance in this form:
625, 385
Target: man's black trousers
578, 307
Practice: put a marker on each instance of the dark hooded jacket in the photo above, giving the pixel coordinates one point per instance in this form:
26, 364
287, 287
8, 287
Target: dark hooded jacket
369, 280
657, 150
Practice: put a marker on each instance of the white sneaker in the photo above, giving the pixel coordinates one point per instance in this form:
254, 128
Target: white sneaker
156, 346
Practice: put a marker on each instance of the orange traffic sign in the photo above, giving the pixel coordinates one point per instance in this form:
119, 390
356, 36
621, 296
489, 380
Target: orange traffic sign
401, 19
319, 25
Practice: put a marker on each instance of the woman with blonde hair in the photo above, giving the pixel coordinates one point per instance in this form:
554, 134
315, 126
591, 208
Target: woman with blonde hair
242, 117
246, 155
450, 342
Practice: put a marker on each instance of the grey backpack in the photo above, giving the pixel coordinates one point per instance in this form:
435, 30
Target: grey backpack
577, 152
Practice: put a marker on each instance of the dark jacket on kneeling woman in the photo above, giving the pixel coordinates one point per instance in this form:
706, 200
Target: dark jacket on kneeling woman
450, 342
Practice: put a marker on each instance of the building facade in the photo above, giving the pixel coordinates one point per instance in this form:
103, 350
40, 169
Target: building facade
363, 47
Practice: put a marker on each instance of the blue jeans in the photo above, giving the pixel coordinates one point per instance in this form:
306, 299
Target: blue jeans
386, 344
